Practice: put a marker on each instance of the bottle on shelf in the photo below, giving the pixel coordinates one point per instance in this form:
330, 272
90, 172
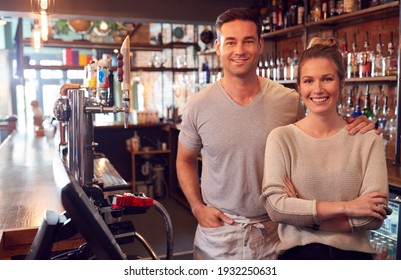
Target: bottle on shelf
316, 11
392, 125
325, 9
294, 64
350, 105
357, 112
363, 4
376, 111
278, 71
206, 72
332, 8
391, 59
352, 61
266, 22
378, 63
259, 69
367, 109
365, 65
344, 50
288, 67
291, 14
300, 12
350, 6
279, 14
273, 16
273, 72
135, 142
382, 118
267, 67
282, 68
340, 7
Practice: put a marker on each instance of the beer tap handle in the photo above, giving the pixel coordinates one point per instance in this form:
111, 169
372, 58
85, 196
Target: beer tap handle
124, 76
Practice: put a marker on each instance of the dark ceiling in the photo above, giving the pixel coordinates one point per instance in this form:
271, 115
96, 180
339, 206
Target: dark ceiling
173, 11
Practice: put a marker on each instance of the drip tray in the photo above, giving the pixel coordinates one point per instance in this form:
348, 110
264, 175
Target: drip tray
108, 175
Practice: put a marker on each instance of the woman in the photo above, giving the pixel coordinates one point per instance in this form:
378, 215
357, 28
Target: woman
341, 180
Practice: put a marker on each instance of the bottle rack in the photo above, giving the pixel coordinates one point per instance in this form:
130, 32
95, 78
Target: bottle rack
304, 31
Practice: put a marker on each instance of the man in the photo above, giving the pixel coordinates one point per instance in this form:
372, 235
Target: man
230, 121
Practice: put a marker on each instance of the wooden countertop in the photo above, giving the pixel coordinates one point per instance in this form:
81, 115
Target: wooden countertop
27, 190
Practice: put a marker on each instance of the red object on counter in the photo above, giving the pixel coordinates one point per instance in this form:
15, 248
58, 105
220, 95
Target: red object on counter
131, 200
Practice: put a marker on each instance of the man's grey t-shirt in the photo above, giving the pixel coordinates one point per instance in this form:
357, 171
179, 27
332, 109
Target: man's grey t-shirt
232, 138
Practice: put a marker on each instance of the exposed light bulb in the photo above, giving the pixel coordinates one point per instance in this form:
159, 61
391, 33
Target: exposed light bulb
46, 6
2, 21
43, 5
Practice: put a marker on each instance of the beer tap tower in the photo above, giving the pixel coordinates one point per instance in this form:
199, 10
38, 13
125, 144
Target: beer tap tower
75, 108
74, 111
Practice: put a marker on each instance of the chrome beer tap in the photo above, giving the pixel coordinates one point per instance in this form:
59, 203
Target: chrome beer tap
75, 109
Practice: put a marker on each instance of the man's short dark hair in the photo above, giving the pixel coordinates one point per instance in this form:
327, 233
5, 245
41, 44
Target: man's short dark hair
243, 13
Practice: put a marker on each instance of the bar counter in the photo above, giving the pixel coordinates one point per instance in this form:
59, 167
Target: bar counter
28, 189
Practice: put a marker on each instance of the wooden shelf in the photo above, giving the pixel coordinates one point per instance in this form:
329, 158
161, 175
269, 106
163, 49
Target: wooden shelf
378, 12
133, 69
151, 152
84, 44
207, 52
294, 31
354, 80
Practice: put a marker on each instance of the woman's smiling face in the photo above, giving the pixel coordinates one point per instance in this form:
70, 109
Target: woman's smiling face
320, 86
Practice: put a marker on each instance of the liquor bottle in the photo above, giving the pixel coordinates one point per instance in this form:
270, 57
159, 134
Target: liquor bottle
285, 66
367, 109
363, 4
378, 63
265, 12
350, 6
350, 105
267, 67
365, 66
344, 50
300, 12
288, 67
392, 125
325, 9
316, 11
373, 3
340, 7
279, 67
357, 112
273, 73
332, 8
376, 111
292, 13
266, 24
259, 69
273, 16
280, 15
382, 120
352, 61
294, 64
391, 59
206, 72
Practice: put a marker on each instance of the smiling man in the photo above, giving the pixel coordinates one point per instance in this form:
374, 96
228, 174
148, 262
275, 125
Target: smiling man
230, 121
